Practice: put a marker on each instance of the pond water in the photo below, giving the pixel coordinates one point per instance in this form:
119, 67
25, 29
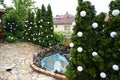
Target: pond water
55, 62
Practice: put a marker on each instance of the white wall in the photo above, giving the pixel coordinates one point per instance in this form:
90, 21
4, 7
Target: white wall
61, 27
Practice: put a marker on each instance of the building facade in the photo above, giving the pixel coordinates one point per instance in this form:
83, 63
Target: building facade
64, 22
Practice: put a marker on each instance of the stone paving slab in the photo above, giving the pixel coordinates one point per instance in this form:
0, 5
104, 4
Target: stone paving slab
17, 57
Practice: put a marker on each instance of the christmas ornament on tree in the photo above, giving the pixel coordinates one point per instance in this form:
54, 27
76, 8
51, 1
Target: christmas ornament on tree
102, 75
73, 23
115, 12
115, 67
95, 25
41, 20
71, 45
83, 13
113, 34
80, 68
79, 49
94, 53
79, 34
51, 35
50, 44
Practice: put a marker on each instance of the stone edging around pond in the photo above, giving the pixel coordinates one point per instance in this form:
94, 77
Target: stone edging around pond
63, 50
48, 73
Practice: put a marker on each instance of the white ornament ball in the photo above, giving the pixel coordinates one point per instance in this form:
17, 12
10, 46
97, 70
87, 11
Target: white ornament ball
71, 45
113, 34
115, 12
83, 13
79, 34
80, 68
73, 23
115, 67
79, 49
95, 25
11, 37
49, 43
94, 53
46, 36
102, 75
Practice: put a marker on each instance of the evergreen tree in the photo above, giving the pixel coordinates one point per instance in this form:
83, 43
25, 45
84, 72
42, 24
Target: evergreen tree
46, 26
29, 28
39, 26
43, 26
50, 28
112, 42
85, 61
95, 48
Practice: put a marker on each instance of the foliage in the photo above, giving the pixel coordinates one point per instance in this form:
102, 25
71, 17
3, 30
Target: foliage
11, 27
58, 38
10, 37
1, 1
15, 16
84, 65
46, 27
30, 24
39, 29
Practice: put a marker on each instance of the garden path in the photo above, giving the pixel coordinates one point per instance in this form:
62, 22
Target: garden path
16, 59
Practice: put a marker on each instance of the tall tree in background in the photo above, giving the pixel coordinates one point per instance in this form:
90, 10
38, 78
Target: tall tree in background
95, 48
39, 25
43, 26
50, 28
22, 7
47, 26
30, 27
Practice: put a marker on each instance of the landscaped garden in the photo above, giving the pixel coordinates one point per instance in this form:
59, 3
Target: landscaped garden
30, 41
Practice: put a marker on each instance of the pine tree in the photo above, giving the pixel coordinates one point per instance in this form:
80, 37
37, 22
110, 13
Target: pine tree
95, 48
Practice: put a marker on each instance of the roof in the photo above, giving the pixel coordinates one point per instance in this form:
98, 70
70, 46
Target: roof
64, 19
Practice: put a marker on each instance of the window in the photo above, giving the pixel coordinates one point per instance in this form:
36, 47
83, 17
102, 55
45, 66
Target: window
67, 28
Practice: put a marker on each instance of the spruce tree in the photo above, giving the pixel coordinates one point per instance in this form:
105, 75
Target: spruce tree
95, 48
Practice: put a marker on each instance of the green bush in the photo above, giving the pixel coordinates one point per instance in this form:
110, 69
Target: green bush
58, 38
10, 37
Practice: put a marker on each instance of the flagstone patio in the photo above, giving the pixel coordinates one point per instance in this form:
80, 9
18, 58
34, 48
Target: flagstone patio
15, 59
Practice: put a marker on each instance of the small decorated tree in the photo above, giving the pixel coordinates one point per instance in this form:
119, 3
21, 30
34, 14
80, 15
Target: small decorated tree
46, 27
39, 26
29, 27
50, 28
